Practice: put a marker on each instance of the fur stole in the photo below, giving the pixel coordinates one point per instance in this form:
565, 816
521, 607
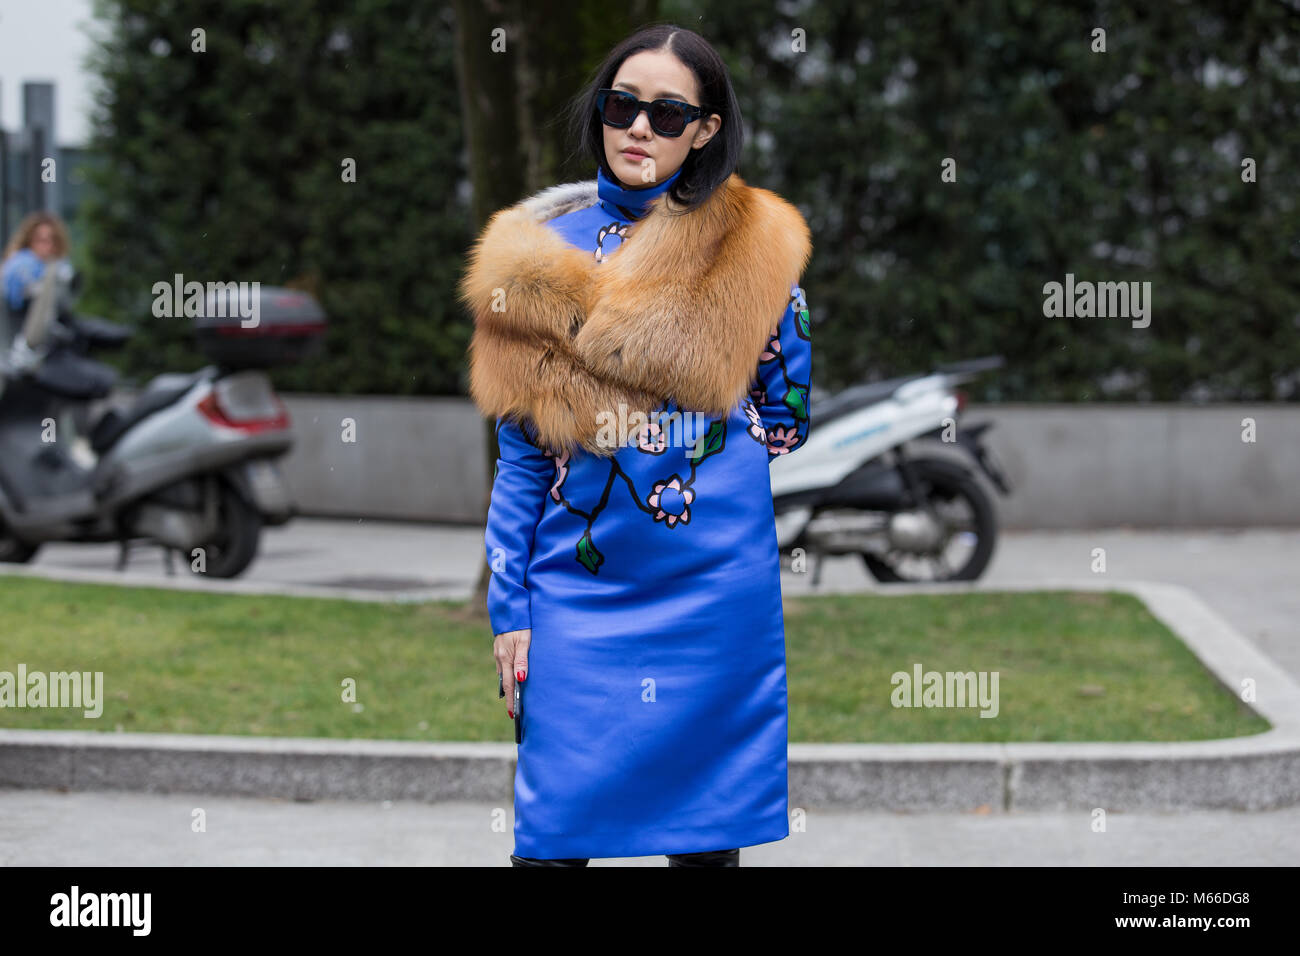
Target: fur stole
681, 309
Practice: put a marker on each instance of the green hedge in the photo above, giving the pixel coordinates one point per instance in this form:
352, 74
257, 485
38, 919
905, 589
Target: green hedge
1115, 166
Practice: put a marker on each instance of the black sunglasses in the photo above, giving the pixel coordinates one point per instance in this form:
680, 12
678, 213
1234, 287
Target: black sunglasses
667, 117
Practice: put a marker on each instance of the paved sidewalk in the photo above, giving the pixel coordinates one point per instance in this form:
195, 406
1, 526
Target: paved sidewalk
45, 828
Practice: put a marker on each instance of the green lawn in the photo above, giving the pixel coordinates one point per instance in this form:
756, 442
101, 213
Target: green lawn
1072, 666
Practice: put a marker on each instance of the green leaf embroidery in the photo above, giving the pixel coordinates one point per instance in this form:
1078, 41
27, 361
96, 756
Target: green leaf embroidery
797, 400
709, 443
589, 555
801, 325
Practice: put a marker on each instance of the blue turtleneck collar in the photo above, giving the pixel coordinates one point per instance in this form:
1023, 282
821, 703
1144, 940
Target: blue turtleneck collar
631, 203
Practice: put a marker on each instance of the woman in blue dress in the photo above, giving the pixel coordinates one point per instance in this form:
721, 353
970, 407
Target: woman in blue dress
643, 344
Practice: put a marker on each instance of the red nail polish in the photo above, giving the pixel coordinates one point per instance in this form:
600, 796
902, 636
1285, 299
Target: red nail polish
519, 676
510, 714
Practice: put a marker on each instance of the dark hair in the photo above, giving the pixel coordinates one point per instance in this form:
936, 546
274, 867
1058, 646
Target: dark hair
704, 169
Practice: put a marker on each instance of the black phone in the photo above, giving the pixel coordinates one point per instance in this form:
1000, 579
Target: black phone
519, 712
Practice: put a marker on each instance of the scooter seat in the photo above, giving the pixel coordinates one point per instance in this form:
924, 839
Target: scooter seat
851, 399
114, 423
74, 376
99, 333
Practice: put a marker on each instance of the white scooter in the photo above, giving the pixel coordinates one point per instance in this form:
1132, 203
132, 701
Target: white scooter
854, 488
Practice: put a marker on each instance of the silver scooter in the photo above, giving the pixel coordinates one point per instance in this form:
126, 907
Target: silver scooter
855, 487
189, 464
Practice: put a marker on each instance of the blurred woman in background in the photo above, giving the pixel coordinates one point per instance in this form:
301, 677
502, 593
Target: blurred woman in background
41, 239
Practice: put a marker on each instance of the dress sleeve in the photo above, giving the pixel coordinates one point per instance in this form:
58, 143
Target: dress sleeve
520, 482
784, 375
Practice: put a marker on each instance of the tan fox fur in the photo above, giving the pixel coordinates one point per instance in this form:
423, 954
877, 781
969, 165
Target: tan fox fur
681, 308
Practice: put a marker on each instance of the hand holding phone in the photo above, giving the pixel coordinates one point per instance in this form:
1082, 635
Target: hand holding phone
519, 712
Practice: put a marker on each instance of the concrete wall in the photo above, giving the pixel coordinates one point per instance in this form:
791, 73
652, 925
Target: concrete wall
1074, 466
1086, 466
413, 458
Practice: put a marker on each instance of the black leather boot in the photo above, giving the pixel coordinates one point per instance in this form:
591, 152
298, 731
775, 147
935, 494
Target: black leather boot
561, 861
708, 858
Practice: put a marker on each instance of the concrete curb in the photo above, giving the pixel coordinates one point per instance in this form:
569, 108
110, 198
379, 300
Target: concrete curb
186, 581
1244, 773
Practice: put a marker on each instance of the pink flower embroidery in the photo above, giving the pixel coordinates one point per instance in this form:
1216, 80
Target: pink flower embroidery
756, 427
561, 472
618, 229
672, 500
773, 346
781, 439
650, 438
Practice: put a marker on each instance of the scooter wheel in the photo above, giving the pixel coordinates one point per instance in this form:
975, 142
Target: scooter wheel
235, 545
944, 483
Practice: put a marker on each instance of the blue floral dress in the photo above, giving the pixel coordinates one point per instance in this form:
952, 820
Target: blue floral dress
655, 716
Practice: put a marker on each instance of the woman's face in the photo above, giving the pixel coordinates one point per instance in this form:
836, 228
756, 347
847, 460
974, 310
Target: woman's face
42, 241
638, 155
